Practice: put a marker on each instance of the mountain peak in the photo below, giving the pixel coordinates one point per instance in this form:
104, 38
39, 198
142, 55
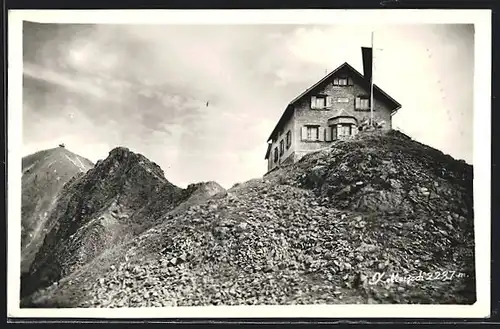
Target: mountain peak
44, 175
120, 151
122, 161
99, 210
379, 203
209, 185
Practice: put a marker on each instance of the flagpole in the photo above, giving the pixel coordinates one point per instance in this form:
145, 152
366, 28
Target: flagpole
371, 85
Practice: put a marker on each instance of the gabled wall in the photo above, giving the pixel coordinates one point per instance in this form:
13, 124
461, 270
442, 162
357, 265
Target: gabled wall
304, 115
287, 156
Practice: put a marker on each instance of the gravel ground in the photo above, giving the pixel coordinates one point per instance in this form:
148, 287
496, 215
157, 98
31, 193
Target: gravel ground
320, 231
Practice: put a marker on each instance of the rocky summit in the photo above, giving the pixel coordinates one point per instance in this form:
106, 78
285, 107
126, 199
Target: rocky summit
379, 218
44, 175
116, 200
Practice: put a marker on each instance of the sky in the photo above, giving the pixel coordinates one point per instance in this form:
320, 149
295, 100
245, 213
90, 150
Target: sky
201, 100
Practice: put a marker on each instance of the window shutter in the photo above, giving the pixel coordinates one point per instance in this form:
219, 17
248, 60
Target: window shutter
329, 101
313, 102
321, 134
304, 133
328, 134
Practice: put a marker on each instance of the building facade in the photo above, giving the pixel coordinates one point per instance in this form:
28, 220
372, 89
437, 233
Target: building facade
333, 108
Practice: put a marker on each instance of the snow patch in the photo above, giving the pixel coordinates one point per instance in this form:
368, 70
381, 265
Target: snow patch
79, 166
81, 163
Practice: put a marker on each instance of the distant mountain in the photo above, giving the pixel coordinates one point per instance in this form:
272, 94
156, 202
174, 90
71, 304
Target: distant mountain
119, 198
317, 231
44, 175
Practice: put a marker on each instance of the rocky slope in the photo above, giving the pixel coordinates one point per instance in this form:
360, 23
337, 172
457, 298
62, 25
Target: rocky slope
319, 231
44, 175
119, 198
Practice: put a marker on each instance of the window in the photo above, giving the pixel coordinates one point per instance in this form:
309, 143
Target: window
312, 133
319, 102
362, 103
345, 130
334, 132
343, 100
341, 81
275, 154
282, 147
288, 139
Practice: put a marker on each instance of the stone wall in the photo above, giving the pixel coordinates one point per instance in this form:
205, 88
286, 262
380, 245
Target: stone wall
305, 115
288, 151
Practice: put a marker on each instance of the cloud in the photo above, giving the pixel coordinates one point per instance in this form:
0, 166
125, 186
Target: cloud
74, 84
147, 87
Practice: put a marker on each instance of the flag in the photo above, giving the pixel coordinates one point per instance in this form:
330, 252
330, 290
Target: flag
367, 62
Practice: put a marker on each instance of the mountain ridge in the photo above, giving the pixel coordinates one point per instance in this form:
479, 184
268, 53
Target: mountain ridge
99, 209
44, 174
312, 232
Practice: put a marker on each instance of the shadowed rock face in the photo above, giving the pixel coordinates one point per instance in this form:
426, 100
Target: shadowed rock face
44, 175
313, 232
385, 172
119, 198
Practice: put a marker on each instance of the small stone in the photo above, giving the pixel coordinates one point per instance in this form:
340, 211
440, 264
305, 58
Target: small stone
346, 189
242, 226
361, 224
395, 183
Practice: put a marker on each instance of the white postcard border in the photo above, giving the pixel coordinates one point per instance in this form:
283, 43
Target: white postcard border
482, 157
